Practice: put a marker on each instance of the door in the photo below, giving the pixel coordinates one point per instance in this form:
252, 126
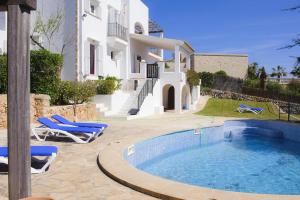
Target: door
171, 98
92, 59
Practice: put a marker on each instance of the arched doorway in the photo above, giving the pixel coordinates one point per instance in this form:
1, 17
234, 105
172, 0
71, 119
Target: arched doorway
169, 97
185, 98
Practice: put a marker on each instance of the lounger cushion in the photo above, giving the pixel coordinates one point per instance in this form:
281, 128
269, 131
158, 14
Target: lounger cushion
50, 124
65, 121
35, 151
248, 107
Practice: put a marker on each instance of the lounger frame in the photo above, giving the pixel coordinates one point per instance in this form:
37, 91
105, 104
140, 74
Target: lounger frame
56, 132
49, 159
242, 110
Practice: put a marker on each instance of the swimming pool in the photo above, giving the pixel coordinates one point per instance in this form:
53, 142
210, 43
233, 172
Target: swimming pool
242, 156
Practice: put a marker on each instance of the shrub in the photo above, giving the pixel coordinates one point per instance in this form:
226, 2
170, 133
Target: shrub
274, 86
207, 79
45, 68
221, 73
255, 83
3, 74
74, 92
206, 91
108, 85
192, 78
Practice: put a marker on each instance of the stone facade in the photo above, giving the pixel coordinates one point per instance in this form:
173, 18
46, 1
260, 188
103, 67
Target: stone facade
40, 107
234, 65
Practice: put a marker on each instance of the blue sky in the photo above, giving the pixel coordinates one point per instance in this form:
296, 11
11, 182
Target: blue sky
254, 27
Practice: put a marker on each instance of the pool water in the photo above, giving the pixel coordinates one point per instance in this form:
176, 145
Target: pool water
251, 163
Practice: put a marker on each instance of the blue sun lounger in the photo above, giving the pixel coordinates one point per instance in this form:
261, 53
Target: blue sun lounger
36, 151
63, 120
244, 108
49, 128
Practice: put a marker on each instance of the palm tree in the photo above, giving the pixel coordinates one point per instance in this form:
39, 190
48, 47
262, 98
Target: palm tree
278, 72
296, 71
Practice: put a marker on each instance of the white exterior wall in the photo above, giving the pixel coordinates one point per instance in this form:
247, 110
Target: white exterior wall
3, 32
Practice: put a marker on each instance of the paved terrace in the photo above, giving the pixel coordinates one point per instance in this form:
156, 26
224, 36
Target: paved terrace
75, 173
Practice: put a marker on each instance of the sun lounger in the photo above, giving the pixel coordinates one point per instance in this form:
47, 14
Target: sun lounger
78, 134
63, 120
49, 152
244, 108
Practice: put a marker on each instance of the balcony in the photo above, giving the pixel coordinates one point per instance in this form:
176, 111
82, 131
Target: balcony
117, 30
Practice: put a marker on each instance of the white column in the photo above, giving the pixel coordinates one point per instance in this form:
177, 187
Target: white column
188, 62
178, 93
177, 59
161, 52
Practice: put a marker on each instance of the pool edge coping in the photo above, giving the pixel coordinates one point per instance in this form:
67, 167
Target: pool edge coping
161, 188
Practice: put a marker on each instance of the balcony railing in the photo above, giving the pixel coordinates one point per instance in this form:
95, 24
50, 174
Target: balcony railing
117, 30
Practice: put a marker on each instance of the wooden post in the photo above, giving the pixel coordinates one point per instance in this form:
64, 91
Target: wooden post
18, 97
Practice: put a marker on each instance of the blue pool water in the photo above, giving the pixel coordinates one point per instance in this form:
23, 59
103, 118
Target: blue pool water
234, 157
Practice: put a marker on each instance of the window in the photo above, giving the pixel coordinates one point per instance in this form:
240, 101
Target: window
112, 55
93, 7
92, 59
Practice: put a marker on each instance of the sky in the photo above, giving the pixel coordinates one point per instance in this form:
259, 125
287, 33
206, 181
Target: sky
258, 28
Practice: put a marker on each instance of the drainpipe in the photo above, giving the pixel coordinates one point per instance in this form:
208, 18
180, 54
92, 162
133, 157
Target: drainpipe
77, 56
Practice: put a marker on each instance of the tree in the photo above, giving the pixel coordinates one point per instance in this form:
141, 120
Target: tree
192, 79
296, 71
263, 77
252, 72
221, 73
278, 72
48, 30
73, 92
296, 41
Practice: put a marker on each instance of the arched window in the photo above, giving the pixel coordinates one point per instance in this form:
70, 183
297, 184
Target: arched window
138, 28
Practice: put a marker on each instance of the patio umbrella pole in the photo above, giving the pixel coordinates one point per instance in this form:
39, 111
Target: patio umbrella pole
18, 97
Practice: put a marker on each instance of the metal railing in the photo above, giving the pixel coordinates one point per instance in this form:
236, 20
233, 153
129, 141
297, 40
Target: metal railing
152, 71
117, 30
147, 89
289, 111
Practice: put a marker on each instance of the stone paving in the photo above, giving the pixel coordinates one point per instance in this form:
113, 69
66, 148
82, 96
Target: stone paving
75, 173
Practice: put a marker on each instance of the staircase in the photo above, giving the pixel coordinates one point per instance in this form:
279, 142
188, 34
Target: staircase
131, 102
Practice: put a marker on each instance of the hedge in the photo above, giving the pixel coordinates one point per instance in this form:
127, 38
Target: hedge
45, 68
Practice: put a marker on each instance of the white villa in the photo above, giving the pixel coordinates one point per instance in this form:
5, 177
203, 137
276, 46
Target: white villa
101, 38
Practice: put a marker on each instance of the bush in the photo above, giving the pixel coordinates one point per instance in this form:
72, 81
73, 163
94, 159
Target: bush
274, 87
74, 92
221, 73
206, 91
294, 87
255, 83
192, 78
3, 74
45, 68
108, 85
207, 79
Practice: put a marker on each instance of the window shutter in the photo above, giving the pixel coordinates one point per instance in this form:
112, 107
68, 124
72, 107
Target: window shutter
99, 68
87, 5
99, 11
87, 58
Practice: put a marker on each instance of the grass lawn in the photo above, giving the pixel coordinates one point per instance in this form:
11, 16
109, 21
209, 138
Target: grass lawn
228, 108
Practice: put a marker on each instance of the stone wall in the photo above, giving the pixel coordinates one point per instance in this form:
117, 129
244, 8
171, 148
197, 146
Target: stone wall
243, 97
40, 107
234, 65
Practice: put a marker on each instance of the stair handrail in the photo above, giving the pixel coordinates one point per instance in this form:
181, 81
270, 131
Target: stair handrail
147, 89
